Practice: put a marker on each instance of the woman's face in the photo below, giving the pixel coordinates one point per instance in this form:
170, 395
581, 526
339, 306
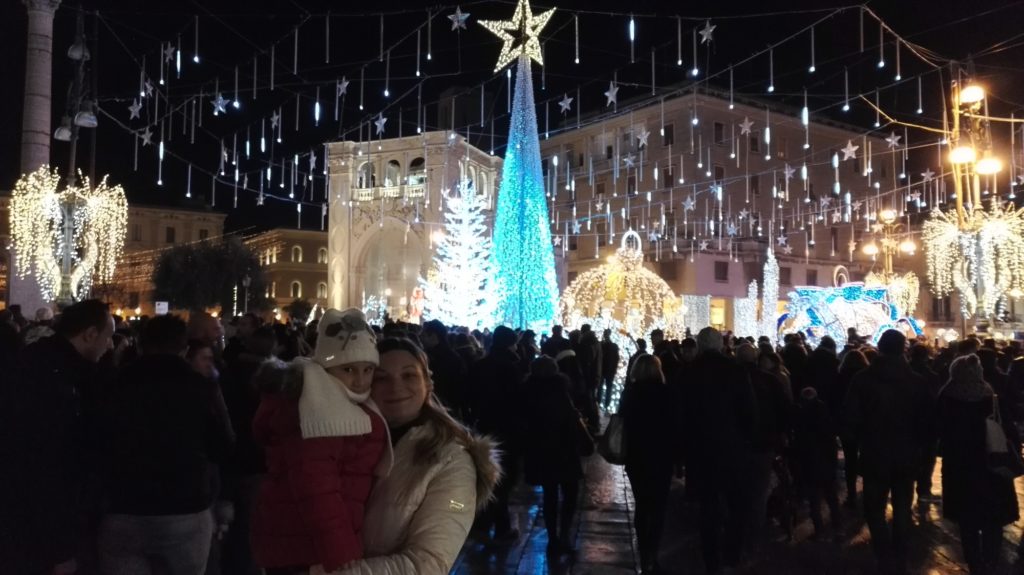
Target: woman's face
400, 388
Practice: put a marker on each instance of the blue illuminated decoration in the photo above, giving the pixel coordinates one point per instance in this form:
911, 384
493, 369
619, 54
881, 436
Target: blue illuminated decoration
524, 260
818, 311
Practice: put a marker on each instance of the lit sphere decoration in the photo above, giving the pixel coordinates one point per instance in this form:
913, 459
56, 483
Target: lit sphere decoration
625, 291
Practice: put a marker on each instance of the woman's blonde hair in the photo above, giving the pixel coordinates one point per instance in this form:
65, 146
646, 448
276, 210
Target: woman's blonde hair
428, 448
647, 368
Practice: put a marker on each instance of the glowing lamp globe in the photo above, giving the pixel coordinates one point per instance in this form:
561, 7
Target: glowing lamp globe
988, 165
962, 155
972, 94
887, 216
870, 249
908, 246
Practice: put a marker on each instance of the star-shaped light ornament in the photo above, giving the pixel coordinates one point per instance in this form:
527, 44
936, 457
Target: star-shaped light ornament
837, 217
599, 205
877, 228
274, 119
782, 240
169, 53
519, 35
458, 19
928, 175
652, 236
565, 104
893, 140
856, 205
745, 126
915, 196
219, 105
149, 88
134, 109
642, 137
744, 213
576, 227
850, 151
612, 94
312, 161
731, 230
787, 249
379, 122
147, 137
706, 32
703, 246
688, 204
629, 160
825, 202
557, 240
789, 171
343, 86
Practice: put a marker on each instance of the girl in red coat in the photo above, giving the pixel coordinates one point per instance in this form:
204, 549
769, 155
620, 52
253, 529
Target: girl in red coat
325, 444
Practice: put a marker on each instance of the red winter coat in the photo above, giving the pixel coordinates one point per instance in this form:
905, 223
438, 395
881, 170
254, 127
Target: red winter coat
311, 503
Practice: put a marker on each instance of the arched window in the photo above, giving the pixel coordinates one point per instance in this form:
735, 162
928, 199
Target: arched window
393, 173
321, 256
321, 290
367, 176
417, 171
296, 291
297, 254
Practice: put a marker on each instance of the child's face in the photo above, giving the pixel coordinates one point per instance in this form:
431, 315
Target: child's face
357, 377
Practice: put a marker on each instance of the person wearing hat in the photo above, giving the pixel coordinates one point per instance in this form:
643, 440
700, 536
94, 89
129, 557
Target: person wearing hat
326, 444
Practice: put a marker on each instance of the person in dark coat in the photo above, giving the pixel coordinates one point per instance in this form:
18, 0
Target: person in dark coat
773, 417
815, 453
551, 452
48, 444
822, 367
794, 357
641, 349
980, 501
884, 413
588, 354
555, 344
164, 428
609, 368
446, 367
1008, 394
646, 408
662, 349
495, 384
920, 361
721, 424
853, 363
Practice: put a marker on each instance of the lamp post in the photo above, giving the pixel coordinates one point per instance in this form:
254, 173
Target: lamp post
903, 290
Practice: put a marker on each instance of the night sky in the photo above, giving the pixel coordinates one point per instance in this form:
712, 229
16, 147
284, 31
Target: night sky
231, 32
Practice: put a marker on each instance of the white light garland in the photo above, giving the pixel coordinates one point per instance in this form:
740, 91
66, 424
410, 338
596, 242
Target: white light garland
38, 210
770, 297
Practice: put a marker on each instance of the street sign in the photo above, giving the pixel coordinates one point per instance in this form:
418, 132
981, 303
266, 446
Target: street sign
161, 307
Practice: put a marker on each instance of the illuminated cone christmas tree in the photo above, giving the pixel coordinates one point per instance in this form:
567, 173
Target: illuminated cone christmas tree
457, 291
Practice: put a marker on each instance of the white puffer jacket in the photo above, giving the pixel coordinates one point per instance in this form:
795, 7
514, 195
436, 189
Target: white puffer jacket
417, 519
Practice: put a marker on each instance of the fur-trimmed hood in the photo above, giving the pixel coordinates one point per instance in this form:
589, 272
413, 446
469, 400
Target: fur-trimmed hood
487, 459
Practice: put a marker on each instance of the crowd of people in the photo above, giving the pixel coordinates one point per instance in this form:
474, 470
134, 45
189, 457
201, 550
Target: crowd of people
240, 447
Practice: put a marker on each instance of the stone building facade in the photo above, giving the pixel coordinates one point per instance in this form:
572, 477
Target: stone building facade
294, 263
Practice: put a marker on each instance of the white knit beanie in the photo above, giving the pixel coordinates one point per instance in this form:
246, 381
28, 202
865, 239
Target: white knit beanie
344, 337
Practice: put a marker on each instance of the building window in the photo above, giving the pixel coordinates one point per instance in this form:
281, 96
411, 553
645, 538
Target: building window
321, 256
609, 152
781, 147
719, 173
719, 134
204, 234
668, 136
602, 234
273, 255
296, 290
599, 189
169, 235
755, 141
136, 232
631, 186
670, 178
812, 277
321, 290
721, 271
296, 254
786, 276
273, 289
941, 308
754, 182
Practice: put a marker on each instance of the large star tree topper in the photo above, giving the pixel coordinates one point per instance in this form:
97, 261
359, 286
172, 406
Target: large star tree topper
520, 34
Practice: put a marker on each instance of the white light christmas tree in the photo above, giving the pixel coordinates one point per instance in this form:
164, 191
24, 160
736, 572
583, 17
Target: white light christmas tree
745, 322
457, 289
770, 297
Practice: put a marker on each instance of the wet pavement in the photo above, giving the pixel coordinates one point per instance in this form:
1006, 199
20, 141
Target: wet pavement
606, 544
